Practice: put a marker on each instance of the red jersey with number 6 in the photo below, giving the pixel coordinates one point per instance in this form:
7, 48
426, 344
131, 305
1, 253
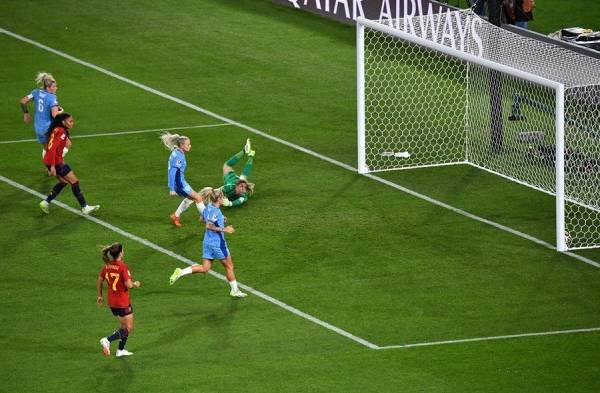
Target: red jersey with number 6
54, 148
116, 273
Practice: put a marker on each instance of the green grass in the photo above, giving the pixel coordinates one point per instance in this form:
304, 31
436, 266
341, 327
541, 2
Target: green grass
369, 259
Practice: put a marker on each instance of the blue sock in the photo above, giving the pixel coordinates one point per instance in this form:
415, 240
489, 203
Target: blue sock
122, 343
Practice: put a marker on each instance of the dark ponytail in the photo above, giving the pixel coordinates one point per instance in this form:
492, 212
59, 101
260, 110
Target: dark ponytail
112, 252
57, 122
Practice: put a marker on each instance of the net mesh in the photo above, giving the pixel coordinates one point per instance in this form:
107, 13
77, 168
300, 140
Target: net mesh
426, 108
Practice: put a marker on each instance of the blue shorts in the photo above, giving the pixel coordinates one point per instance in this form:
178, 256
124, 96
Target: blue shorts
61, 169
121, 312
41, 138
215, 251
183, 189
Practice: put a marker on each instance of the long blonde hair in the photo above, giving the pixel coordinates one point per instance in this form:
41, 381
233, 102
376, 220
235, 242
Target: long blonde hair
210, 195
171, 141
111, 252
44, 80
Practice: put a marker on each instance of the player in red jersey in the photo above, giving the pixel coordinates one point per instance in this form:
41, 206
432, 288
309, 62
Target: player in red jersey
58, 140
116, 273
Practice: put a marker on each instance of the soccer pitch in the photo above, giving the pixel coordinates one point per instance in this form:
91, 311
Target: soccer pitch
436, 280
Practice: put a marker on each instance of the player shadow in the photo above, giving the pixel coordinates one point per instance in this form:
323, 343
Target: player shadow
117, 370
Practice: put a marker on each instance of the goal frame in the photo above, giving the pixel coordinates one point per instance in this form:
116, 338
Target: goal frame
559, 89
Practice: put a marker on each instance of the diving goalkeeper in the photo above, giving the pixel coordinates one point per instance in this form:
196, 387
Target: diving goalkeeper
237, 189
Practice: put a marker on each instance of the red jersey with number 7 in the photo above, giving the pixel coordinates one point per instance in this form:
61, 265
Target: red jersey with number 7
116, 273
55, 146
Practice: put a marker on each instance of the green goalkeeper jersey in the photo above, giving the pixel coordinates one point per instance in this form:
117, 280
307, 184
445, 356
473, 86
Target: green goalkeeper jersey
229, 181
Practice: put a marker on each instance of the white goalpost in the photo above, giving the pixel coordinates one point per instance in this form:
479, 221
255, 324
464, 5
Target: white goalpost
451, 88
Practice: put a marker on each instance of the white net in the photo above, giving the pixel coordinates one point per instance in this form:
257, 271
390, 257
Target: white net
423, 107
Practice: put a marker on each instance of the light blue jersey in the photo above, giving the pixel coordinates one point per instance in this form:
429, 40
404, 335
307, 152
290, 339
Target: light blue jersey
44, 102
214, 245
176, 173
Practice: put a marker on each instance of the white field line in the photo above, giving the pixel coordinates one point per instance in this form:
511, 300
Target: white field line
183, 259
491, 338
296, 147
123, 132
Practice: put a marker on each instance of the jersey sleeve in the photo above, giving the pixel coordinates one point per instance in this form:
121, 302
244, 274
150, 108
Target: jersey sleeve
175, 164
205, 214
125, 273
52, 101
102, 272
240, 201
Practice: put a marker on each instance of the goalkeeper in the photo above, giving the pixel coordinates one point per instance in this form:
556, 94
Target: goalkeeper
237, 189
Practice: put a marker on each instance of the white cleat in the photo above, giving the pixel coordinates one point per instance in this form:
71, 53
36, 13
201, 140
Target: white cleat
238, 294
45, 206
247, 147
123, 352
105, 346
90, 208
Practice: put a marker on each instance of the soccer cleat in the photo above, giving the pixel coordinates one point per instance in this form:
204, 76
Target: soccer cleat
251, 153
123, 352
175, 276
175, 220
105, 346
247, 147
238, 293
89, 208
45, 206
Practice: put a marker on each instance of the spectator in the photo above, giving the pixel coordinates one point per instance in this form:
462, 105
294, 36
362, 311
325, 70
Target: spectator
523, 12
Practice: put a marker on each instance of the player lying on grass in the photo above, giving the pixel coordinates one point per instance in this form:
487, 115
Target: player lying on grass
214, 245
45, 105
179, 145
236, 189
58, 140
116, 274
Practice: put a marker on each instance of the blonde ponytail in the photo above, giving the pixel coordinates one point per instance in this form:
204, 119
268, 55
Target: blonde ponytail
44, 80
210, 195
171, 141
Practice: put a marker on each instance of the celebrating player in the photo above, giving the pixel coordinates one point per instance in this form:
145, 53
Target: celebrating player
58, 140
236, 188
46, 106
179, 145
214, 244
116, 273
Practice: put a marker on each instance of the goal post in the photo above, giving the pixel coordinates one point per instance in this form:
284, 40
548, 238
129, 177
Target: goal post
424, 99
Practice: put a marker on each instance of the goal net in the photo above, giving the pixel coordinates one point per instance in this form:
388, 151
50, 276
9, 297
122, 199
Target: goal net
451, 88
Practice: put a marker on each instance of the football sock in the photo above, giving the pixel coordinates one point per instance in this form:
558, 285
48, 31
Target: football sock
78, 194
200, 206
234, 285
248, 166
55, 191
183, 206
234, 159
118, 334
122, 343
186, 271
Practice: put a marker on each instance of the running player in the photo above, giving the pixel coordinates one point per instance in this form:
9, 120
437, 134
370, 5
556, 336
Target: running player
116, 274
46, 106
58, 140
214, 244
236, 188
179, 145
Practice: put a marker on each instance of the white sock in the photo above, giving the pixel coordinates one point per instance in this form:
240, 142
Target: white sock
65, 151
234, 286
186, 271
43, 153
183, 206
200, 206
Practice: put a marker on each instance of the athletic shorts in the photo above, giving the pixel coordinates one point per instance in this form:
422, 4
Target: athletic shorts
215, 251
230, 178
41, 137
183, 189
61, 169
121, 312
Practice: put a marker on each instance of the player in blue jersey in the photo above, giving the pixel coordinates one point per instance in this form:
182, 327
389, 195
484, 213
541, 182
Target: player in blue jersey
179, 145
46, 106
214, 245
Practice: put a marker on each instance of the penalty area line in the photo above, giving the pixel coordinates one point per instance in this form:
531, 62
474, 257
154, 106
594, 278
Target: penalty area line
187, 261
123, 132
491, 338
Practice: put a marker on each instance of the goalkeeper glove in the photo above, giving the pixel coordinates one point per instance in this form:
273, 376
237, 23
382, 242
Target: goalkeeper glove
226, 202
